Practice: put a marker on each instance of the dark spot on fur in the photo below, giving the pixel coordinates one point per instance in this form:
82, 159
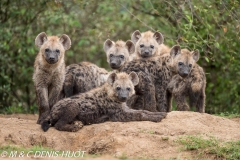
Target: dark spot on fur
74, 97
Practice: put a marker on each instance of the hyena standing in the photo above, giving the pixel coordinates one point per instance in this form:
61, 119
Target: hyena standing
191, 84
118, 54
105, 103
49, 71
160, 70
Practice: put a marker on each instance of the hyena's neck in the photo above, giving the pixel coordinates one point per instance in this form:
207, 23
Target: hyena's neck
107, 92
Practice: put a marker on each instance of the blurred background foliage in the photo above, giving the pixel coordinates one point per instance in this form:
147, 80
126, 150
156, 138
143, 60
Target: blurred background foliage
211, 26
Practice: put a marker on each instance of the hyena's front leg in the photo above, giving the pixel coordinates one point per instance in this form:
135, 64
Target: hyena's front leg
54, 95
43, 104
200, 105
148, 92
126, 114
180, 99
161, 98
169, 101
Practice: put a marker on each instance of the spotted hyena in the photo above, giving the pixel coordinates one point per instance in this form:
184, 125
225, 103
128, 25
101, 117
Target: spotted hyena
158, 71
148, 45
118, 53
105, 103
49, 71
191, 83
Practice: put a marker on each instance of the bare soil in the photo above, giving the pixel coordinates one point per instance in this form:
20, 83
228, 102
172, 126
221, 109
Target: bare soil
114, 139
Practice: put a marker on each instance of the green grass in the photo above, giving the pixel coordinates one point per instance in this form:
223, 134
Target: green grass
228, 115
211, 147
124, 157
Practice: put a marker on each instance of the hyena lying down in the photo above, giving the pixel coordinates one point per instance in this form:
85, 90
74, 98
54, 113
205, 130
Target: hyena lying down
85, 76
105, 103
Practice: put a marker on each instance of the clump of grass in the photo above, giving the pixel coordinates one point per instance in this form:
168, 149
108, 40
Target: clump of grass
211, 146
228, 115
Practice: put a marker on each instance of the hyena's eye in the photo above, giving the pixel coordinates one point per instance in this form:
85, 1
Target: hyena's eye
122, 56
118, 88
180, 63
111, 55
152, 46
190, 65
47, 50
57, 50
128, 89
141, 46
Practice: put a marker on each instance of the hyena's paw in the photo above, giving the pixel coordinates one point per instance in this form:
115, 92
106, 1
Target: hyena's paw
159, 116
77, 125
183, 107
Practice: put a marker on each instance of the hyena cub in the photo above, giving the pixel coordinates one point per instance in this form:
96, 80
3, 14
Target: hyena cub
83, 77
148, 44
105, 103
49, 71
159, 71
191, 83
118, 53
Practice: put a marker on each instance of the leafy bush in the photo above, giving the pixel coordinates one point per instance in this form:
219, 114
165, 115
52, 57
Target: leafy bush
211, 26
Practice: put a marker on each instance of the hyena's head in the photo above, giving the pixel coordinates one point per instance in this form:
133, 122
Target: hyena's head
118, 53
183, 60
52, 48
147, 44
122, 85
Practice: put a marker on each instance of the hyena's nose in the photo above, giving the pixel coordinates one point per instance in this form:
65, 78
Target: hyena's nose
113, 64
52, 58
123, 99
146, 52
185, 73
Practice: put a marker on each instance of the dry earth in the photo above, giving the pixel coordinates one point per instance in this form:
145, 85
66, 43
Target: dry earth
113, 139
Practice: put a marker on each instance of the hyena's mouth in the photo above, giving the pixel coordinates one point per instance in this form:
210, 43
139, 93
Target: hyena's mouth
115, 66
183, 75
146, 55
51, 61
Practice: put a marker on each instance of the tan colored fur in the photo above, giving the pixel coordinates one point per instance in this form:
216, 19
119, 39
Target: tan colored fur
118, 49
147, 39
48, 78
105, 103
192, 86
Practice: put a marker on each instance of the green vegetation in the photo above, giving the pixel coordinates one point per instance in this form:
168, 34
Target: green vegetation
211, 147
228, 115
211, 26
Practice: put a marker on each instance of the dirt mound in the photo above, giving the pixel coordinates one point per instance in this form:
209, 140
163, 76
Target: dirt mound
133, 139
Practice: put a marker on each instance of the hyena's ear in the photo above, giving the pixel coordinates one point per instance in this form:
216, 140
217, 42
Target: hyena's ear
130, 47
136, 36
175, 50
66, 41
107, 45
196, 55
112, 78
159, 37
40, 39
134, 78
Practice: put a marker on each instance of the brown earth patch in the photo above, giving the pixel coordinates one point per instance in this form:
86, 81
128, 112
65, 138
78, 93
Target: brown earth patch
113, 139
